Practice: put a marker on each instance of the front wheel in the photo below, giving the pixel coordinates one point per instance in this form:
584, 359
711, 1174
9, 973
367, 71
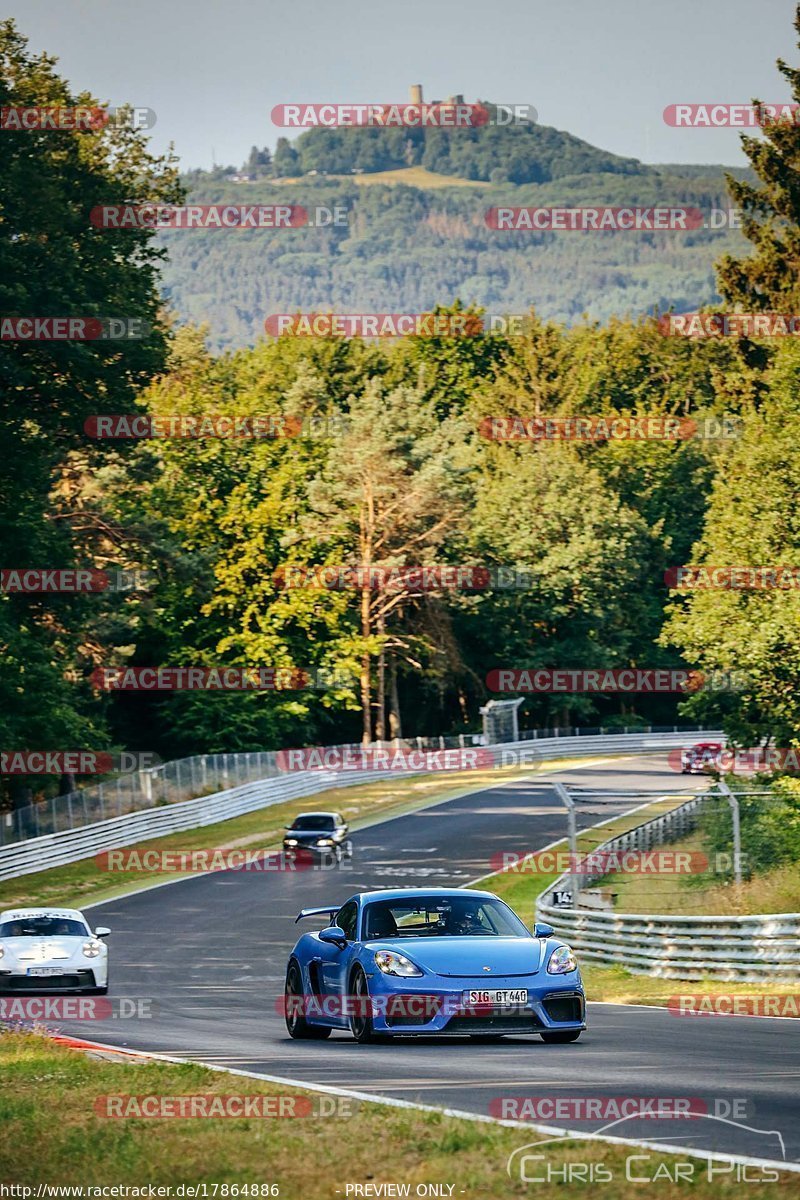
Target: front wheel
296, 1023
361, 1025
562, 1035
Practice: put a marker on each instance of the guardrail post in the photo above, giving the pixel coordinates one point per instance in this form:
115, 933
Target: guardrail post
572, 835
737, 831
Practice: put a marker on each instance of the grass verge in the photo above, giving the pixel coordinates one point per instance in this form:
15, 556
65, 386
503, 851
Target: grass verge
772, 891
614, 984
52, 1134
520, 886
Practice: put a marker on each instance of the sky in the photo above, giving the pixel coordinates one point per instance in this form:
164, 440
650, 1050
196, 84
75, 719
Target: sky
604, 70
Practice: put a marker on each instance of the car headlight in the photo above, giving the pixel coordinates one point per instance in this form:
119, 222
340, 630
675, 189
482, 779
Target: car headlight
395, 964
92, 949
562, 961
324, 841
2, 951
290, 841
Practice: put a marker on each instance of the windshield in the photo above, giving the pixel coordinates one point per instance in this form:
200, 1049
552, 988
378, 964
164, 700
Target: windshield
437, 916
42, 927
313, 821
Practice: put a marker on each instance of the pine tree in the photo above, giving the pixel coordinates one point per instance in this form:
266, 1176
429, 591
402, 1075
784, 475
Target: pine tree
770, 278
286, 159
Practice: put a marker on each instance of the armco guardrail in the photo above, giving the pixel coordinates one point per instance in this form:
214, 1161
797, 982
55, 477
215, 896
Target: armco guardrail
666, 827
72, 845
748, 949
204, 774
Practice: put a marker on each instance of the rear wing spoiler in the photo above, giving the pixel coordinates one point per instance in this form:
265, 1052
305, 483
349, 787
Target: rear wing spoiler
325, 911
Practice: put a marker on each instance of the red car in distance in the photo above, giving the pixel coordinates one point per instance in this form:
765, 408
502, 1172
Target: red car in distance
700, 758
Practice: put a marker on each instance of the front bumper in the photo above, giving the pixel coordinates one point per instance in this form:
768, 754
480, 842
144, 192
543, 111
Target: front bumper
311, 851
438, 1005
74, 979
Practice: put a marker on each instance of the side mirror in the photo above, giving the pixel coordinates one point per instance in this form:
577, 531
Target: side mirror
102, 931
542, 930
333, 934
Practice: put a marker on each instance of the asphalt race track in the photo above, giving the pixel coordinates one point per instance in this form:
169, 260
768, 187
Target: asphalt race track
210, 951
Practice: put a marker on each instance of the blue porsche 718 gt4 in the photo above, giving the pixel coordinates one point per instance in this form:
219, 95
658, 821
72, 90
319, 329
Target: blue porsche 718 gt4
427, 961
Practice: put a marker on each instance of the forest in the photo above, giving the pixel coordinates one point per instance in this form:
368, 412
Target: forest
372, 455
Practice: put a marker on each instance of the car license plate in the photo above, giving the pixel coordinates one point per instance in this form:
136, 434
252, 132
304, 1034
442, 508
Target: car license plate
499, 998
45, 971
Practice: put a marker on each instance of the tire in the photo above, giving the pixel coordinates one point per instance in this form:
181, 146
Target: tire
99, 991
361, 1025
559, 1036
296, 1023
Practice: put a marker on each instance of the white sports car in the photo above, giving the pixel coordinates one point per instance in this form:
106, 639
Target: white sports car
51, 950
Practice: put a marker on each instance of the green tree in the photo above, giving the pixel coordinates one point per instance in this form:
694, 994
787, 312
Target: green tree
582, 557
259, 162
54, 262
753, 520
286, 160
392, 494
769, 278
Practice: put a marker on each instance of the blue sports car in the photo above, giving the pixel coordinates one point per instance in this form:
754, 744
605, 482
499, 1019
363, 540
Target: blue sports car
424, 961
